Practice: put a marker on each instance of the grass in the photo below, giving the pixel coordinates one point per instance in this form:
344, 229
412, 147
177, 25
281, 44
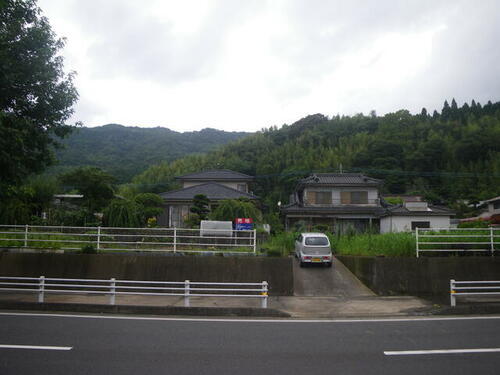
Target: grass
463, 239
387, 244
281, 244
56, 241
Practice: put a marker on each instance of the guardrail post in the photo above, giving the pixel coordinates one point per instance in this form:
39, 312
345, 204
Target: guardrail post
26, 235
416, 239
112, 297
492, 241
264, 295
41, 289
254, 241
453, 301
175, 239
186, 293
98, 237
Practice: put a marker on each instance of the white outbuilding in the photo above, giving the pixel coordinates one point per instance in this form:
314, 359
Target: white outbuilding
414, 214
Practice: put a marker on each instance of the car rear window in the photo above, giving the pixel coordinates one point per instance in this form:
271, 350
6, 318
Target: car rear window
316, 241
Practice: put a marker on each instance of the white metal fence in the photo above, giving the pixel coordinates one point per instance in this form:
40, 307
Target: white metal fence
446, 240
128, 239
472, 288
112, 287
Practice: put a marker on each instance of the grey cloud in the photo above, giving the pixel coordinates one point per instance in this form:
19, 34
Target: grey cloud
131, 44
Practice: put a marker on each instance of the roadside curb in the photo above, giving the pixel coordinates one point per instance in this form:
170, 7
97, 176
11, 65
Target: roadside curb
468, 309
150, 310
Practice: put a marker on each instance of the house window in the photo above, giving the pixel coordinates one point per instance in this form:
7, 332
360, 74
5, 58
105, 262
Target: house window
177, 215
354, 197
242, 187
319, 197
496, 205
420, 224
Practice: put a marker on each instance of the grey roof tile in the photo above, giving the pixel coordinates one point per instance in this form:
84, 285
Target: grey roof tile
216, 175
212, 190
339, 179
399, 210
334, 210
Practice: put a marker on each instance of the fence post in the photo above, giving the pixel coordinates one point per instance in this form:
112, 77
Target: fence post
416, 238
453, 301
41, 289
98, 237
254, 241
26, 235
112, 297
186, 293
492, 241
175, 239
264, 295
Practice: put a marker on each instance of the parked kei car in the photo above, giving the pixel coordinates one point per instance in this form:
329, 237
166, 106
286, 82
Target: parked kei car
311, 248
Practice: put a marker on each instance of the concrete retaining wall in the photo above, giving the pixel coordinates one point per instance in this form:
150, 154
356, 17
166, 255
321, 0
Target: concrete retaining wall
424, 276
278, 272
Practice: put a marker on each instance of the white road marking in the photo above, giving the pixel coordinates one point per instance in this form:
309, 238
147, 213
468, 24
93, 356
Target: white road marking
280, 320
442, 351
36, 347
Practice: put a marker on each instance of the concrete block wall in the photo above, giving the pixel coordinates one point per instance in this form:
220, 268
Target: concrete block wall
278, 272
424, 276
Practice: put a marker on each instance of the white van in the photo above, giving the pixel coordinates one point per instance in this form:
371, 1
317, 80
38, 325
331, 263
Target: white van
313, 248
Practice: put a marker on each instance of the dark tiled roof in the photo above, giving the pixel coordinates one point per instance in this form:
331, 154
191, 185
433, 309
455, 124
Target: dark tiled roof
339, 179
400, 210
335, 210
212, 190
216, 175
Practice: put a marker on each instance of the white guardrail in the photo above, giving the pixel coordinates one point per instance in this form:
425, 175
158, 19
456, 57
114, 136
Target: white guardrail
442, 240
128, 239
112, 287
472, 288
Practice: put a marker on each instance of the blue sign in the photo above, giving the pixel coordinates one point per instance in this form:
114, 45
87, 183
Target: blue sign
244, 226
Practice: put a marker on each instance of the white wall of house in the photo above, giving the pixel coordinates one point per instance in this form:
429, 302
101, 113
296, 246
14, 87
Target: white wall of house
404, 223
232, 185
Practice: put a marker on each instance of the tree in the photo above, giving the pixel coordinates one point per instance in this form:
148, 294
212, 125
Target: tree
200, 206
36, 95
95, 185
230, 209
122, 213
150, 205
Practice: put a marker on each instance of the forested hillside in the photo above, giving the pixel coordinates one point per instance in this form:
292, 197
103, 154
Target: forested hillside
126, 151
447, 156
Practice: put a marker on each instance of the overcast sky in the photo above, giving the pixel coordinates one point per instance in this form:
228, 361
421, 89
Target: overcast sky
249, 64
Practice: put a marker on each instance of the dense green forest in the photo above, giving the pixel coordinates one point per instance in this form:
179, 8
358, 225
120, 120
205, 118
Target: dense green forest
126, 151
448, 156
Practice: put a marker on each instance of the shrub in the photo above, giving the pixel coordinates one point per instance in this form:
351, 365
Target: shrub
274, 253
88, 249
475, 224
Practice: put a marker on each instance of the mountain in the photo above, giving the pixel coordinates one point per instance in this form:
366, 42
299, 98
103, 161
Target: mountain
126, 151
447, 157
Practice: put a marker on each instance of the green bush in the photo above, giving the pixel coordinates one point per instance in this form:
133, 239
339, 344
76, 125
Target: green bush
88, 249
475, 224
274, 253
283, 242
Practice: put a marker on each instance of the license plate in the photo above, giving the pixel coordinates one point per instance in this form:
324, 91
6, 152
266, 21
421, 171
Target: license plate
316, 259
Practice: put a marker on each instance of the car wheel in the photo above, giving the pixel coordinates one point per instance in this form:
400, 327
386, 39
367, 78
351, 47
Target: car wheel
329, 264
302, 264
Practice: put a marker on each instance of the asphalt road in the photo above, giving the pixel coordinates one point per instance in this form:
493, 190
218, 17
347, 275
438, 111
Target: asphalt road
135, 346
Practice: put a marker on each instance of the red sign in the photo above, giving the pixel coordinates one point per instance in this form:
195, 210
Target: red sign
244, 220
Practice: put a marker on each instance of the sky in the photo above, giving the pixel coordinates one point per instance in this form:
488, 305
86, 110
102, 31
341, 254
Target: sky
244, 65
